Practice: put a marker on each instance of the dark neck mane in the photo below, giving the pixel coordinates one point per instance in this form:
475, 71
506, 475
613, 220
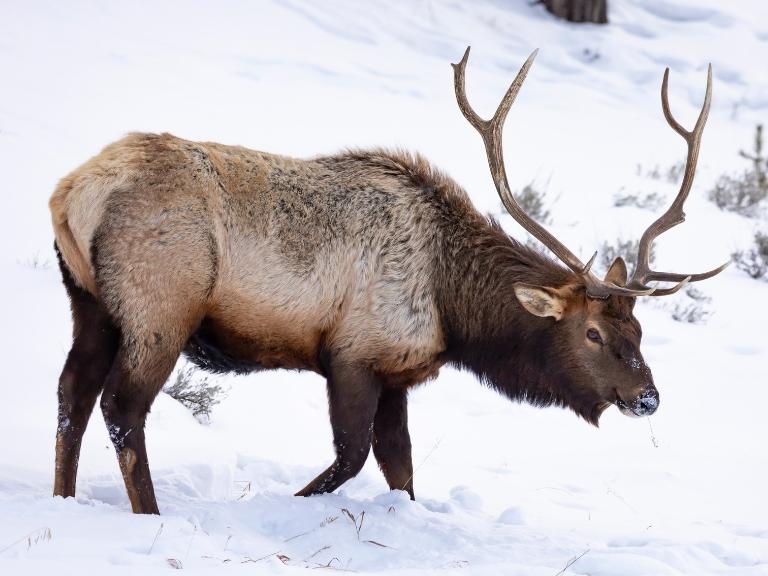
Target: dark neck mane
489, 332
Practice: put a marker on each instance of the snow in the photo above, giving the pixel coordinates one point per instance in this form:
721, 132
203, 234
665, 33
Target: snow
501, 488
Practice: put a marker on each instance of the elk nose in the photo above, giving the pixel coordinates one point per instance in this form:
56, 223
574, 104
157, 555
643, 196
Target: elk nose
647, 403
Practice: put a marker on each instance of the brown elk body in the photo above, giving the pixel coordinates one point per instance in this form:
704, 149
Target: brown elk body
370, 268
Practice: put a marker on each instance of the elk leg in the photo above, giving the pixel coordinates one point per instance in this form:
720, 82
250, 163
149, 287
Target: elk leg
130, 388
94, 345
353, 394
155, 260
391, 440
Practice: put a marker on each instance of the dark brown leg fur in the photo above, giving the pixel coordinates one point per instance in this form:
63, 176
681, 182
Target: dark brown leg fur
94, 345
125, 403
353, 395
391, 440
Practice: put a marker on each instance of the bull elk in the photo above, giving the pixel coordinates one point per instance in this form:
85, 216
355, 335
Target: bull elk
371, 268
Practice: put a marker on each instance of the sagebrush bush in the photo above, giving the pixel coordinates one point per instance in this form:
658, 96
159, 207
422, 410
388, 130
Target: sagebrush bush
533, 201
36, 262
759, 162
675, 172
194, 392
743, 193
648, 201
671, 174
692, 306
754, 261
627, 249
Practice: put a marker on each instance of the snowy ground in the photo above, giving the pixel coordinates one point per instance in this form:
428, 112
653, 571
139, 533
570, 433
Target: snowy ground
685, 497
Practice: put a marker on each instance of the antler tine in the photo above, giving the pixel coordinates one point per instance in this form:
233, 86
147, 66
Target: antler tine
509, 98
674, 214
491, 132
676, 277
461, 94
675, 288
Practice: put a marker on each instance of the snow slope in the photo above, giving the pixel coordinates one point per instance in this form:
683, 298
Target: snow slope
501, 488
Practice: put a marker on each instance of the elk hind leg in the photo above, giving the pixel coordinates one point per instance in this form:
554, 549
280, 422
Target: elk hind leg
94, 345
155, 263
142, 366
151, 342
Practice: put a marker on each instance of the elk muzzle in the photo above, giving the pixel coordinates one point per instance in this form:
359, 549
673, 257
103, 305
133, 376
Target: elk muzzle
643, 404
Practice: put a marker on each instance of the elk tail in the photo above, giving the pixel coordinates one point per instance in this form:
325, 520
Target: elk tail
72, 254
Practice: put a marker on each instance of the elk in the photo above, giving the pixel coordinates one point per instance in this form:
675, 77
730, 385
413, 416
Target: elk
371, 268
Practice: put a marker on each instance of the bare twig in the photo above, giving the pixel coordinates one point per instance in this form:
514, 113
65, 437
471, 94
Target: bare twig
249, 560
222, 560
353, 519
315, 553
329, 567
379, 544
245, 490
612, 492
437, 444
360, 527
572, 561
349, 515
39, 535
157, 535
323, 524
358, 523
186, 555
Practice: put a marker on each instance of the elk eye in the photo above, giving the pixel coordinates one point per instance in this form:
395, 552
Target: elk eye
594, 335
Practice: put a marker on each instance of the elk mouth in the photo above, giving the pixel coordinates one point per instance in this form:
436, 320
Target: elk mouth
644, 405
624, 408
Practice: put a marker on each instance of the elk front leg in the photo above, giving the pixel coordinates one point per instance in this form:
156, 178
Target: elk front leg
353, 395
391, 440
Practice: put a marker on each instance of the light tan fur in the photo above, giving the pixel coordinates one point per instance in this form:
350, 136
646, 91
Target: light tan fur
543, 301
77, 205
281, 256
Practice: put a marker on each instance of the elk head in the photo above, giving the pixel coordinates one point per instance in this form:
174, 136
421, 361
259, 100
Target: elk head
596, 334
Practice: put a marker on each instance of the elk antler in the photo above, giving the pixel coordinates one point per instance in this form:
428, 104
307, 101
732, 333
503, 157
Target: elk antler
491, 130
674, 214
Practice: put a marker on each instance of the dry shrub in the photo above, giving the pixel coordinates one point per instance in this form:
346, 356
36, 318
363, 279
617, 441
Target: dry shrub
649, 201
627, 249
692, 306
744, 193
754, 261
534, 202
194, 392
741, 193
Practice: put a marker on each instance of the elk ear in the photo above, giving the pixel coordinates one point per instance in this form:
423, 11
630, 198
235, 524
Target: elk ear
540, 300
617, 273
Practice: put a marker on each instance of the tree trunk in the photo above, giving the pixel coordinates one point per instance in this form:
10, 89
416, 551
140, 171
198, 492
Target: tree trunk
594, 11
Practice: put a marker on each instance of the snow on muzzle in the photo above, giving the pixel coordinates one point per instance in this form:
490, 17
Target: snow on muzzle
644, 405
